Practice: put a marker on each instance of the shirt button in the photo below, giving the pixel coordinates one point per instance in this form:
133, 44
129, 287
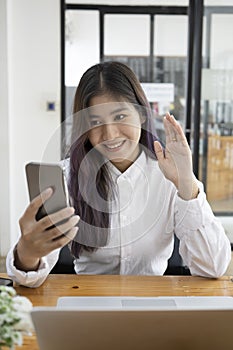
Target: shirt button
124, 219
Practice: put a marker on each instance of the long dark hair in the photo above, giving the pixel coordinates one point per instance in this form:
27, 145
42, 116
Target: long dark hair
117, 80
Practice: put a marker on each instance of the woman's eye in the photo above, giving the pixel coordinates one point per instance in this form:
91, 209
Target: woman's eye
120, 117
95, 122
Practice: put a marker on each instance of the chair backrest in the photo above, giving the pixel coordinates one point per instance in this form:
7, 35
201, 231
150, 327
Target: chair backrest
65, 263
175, 263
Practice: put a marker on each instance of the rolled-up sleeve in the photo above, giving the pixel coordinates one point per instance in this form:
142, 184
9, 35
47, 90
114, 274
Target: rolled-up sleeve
31, 278
204, 245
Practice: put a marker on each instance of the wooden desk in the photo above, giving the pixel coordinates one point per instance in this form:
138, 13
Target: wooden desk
102, 285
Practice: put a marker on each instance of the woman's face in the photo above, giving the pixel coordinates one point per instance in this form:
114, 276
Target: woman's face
115, 130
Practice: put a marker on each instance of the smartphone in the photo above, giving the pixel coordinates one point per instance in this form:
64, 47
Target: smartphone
41, 176
6, 282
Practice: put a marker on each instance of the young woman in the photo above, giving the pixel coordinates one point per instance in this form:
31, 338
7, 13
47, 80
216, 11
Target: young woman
130, 194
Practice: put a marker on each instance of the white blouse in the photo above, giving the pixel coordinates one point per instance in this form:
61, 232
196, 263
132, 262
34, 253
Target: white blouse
146, 213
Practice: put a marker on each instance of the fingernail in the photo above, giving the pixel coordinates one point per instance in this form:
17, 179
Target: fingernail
69, 210
75, 218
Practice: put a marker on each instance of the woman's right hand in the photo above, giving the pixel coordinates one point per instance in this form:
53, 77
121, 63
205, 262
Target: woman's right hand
39, 238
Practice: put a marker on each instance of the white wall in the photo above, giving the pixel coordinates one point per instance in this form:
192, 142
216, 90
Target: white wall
31, 76
4, 131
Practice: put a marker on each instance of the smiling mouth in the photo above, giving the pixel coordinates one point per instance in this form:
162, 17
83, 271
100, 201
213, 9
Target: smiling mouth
115, 146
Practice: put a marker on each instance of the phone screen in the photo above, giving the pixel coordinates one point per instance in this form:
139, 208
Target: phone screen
41, 176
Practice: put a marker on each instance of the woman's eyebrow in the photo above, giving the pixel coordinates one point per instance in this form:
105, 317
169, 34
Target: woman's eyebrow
95, 116
119, 110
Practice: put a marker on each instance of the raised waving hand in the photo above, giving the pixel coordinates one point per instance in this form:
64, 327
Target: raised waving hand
176, 160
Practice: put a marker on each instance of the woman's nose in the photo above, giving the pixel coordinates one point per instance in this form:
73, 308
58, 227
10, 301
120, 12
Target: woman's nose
110, 131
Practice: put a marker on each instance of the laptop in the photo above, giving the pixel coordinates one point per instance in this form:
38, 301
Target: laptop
117, 323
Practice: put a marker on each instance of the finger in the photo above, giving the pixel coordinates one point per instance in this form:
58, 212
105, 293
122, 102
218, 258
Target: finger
63, 240
171, 128
55, 218
37, 202
71, 234
175, 130
167, 127
177, 127
62, 229
158, 151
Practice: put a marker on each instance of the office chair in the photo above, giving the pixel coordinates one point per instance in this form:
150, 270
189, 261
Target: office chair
65, 264
175, 263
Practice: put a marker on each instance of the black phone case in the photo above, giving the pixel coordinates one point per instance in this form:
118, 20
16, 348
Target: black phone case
41, 176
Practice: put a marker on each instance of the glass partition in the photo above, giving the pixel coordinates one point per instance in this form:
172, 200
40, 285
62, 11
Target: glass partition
216, 137
151, 40
170, 64
126, 35
158, 58
151, 37
81, 52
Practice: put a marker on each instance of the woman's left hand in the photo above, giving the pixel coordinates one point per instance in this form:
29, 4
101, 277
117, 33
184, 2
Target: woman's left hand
176, 160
